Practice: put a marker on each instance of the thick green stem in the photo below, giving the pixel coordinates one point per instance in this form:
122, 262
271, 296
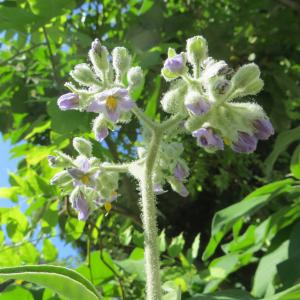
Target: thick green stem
152, 263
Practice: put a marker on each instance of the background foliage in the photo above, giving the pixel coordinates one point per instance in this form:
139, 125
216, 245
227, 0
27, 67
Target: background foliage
254, 201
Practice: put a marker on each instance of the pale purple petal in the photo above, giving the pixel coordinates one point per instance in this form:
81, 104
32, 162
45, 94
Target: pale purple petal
264, 129
101, 134
96, 106
113, 115
81, 205
198, 108
126, 104
121, 92
174, 64
158, 189
183, 192
68, 101
206, 138
180, 173
246, 143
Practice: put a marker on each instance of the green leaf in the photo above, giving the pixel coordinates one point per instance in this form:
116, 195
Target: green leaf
226, 295
266, 271
16, 292
63, 281
153, 100
49, 251
290, 294
295, 163
195, 246
224, 219
50, 9
176, 245
283, 140
9, 193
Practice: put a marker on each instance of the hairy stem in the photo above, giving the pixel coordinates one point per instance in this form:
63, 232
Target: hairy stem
152, 263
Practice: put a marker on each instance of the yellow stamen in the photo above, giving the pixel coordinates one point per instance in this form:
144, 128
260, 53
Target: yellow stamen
85, 179
19, 281
111, 103
107, 206
227, 142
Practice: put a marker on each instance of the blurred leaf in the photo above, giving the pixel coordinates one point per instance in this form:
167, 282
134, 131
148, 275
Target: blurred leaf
295, 163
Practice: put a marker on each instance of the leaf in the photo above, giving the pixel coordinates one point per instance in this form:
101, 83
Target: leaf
63, 281
266, 271
16, 292
49, 251
283, 140
225, 295
290, 294
224, 219
295, 163
195, 246
153, 100
176, 245
9, 193
50, 9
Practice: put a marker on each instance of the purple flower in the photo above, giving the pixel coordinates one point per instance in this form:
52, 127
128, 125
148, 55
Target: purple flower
183, 192
245, 144
81, 205
52, 160
198, 108
111, 103
180, 173
206, 138
81, 174
158, 189
68, 101
263, 129
174, 64
101, 134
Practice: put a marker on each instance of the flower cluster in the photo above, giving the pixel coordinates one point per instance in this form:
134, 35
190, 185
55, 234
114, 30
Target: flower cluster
169, 168
207, 99
88, 184
108, 88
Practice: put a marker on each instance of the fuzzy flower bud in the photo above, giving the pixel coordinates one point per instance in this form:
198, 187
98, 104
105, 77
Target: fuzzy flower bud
61, 178
246, 81
263, 129
68, 101
121, 60
245, 144
209, 140
82, 146
174, 66
99, 57
221, 86
196, 104
83, 74
135, 77
196, 49
100, 128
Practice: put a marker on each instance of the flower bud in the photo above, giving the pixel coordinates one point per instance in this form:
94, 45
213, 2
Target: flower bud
178, 187
196, 104
100, 128
68, 101
84, 75
180, 172
62, 160
82, 146
61, 178
99, 57
121, 60
172, 101
246, 81
196, 50
245, 144
79, 202
135, 77
221, 86
174, 66
209, 140
263, 129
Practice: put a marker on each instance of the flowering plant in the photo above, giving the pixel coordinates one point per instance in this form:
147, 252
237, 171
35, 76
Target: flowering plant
203, 100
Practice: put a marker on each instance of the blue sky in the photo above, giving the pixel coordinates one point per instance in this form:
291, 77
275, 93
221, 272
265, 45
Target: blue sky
10, 165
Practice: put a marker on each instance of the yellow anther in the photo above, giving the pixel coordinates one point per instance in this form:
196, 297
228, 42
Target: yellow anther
85, 179
111, 103
19, 281
227, 142
107, 206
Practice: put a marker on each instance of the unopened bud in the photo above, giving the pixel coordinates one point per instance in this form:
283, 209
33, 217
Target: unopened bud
121, 60
82, 146
196, 50
84, 75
